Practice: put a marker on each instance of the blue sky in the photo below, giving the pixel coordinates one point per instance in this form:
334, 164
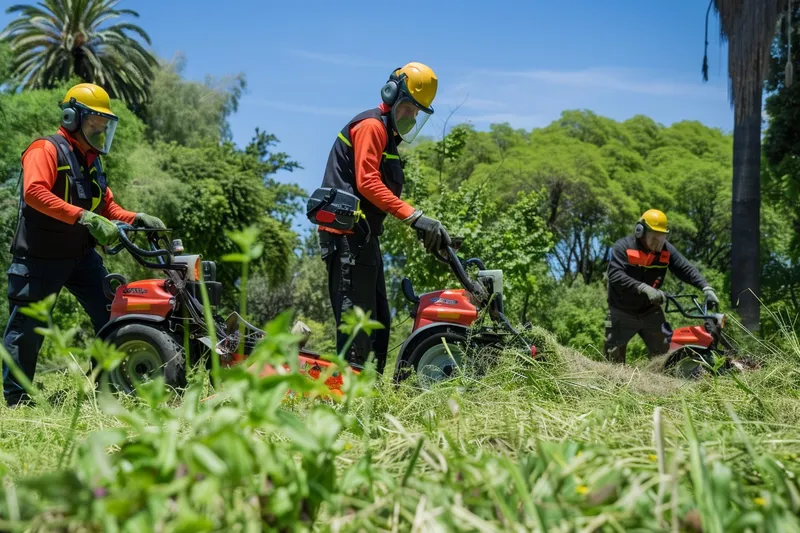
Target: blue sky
310, 66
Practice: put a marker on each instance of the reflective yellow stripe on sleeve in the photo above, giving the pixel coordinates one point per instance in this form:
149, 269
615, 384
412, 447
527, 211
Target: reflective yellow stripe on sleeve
386, 155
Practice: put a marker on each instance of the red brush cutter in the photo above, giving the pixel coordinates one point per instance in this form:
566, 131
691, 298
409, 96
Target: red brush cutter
449, 324
150, 318
693, 348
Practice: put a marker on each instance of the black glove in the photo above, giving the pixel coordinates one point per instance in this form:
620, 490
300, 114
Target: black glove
432, 232
654, 295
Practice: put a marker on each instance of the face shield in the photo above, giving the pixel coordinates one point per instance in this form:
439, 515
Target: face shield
98, 129
655, 240
408, 118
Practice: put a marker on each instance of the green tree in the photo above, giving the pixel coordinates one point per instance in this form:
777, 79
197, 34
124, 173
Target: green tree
644, 134
589, 127
585, 206
187, 112
215, 189
781, 175
58, 39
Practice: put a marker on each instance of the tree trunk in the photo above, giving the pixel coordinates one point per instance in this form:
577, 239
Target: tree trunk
745, 229
525, 307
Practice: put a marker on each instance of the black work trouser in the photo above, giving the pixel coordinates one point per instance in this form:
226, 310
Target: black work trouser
31, 280
356, 278
621, 327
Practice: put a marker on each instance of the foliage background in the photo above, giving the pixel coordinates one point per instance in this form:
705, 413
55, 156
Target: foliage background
544, 205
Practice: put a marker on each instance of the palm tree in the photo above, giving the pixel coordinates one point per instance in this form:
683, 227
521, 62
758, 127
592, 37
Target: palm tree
750, 27
57, 39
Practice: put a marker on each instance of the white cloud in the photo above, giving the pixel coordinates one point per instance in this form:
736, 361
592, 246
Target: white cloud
468, 102
530, 98
301, 108
337, 59
639, 81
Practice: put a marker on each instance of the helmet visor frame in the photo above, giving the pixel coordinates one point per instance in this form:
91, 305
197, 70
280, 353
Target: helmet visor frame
408, 118
97, 128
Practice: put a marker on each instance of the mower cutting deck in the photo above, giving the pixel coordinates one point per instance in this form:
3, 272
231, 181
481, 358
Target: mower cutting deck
150, 318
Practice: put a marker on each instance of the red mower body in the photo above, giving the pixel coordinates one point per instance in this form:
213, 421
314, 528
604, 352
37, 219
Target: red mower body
309, 366
157, 314
451, 306
150, 297
695, 336
144, 297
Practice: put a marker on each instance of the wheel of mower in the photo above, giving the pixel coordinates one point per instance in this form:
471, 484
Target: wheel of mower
150, 351
432, 362
683, 363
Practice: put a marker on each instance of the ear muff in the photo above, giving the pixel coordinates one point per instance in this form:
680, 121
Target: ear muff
69, 117
391, 89
638, 230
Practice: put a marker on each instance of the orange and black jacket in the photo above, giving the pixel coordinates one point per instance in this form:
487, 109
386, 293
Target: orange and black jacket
632, 264
364, 161
58, 183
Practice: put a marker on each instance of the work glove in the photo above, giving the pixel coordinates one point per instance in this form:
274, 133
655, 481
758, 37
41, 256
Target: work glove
103, 230
434, 235
654, 295
149, 221
711, 296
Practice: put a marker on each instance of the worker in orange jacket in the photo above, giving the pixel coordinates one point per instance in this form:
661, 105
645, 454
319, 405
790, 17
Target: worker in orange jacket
65, 210
365, 161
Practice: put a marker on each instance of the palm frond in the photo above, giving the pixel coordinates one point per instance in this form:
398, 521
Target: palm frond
56, 39
705, 50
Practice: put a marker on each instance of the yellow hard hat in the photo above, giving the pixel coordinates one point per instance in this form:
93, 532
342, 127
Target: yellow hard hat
92, 96
655, 220
87, 108
421, 83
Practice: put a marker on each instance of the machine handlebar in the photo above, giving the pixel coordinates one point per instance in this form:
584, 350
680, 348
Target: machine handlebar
673, 299
451, 259
165, 256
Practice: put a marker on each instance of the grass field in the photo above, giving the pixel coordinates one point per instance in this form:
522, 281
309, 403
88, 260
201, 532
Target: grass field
568, 444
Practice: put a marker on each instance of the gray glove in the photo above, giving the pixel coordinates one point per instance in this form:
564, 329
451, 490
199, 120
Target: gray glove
654, 295
431, 231
149, 221
711, 296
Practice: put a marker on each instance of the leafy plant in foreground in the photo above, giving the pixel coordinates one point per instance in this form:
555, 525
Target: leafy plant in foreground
253, 457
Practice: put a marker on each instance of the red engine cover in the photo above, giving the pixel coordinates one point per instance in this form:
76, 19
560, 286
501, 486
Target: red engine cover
145, 297
450, 305
691, 335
